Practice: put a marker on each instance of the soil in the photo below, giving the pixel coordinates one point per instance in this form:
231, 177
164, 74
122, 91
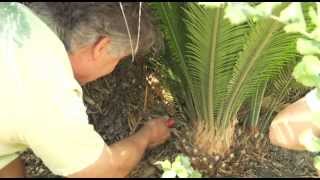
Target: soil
114, 105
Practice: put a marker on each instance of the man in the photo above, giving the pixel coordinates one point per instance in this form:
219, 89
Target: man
41, 97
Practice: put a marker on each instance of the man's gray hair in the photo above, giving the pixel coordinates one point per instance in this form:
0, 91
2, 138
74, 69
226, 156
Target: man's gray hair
79, 23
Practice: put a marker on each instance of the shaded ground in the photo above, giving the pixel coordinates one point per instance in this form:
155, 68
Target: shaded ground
249, 161
114, 104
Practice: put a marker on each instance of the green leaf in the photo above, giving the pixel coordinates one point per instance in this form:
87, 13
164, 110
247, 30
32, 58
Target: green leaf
176, 165
266, 50
166, 165
171, 16
169, 174
212, 4
318, 7
255, 107
224, 63
307, 71
212, 51
185, 160
239, 12
189, 170
179, 168
316, 162
182, 173
195, 174
293, 15
294, 27
266, 8
315, 18
315, 34
278, 90
308, 47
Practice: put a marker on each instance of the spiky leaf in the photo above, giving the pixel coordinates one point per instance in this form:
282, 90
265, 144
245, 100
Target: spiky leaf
212, 51
266, 51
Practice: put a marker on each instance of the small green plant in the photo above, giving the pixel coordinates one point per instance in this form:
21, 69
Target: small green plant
181, 167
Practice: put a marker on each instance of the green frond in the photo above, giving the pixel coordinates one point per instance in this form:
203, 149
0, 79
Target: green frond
170, 16
213, 67
276, 93
305, 10
211, 51
252, 120
283, 87
266, 51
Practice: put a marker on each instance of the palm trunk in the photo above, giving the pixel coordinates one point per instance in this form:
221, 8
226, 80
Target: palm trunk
213, 140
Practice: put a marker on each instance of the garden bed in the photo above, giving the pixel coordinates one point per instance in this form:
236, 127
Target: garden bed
116, 101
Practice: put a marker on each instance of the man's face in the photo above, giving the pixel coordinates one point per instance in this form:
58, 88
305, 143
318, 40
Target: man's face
94, 61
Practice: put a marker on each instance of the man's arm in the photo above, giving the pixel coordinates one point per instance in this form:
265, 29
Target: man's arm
120, 158
13, 170
290, 123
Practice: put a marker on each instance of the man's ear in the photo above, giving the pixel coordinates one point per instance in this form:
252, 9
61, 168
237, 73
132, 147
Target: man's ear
100, 47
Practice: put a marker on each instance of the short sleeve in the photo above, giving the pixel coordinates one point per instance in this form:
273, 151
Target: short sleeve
64, 140
51, 118
65, 147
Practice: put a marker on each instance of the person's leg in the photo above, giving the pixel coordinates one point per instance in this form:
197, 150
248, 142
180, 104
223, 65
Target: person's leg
290, 123
14, 169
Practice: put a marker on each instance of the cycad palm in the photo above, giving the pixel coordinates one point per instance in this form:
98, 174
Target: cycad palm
214, 66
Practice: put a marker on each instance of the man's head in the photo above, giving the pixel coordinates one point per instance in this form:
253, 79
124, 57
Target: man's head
95, 34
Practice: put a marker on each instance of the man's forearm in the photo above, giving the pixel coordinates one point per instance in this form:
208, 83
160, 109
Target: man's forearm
129, 152
118, 159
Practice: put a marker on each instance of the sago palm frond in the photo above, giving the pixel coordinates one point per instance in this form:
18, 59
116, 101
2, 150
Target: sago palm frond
211, 50
273, 95
267, 49
275, 92
219, 65
175, 68
282, 88
255, 106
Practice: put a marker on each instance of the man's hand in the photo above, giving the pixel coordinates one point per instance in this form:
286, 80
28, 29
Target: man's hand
118, 159
157, 132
